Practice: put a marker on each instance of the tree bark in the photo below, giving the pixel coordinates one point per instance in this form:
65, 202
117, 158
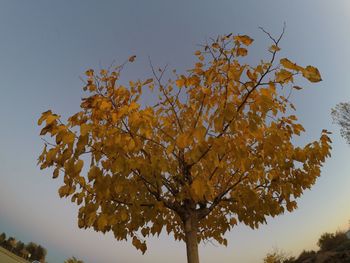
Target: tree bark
191, 228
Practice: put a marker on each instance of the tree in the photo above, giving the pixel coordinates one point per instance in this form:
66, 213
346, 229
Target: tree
278, 256
24, 253
19, 247
215, 149
341, 116
2, 238
31, 248
73, 260
329, 241
11, 243
40, 253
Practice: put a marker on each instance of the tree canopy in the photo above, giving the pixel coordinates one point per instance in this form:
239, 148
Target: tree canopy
215, 149
341, 116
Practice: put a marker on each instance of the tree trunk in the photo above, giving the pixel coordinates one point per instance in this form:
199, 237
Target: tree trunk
191, 228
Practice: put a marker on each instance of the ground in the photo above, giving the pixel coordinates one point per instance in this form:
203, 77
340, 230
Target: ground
8, 257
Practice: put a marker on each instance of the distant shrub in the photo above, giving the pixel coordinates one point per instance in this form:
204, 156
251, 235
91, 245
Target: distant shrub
306, 255
329, 241
73, 260
343, 246
278, 256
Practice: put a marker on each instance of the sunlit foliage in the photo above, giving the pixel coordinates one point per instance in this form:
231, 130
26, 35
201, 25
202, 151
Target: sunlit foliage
341, 116
214, 150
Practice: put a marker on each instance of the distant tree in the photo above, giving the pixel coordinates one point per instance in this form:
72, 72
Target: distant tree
215, 149
41, 253
2, 238
341, 116
306, 255
73, 260
12, 243
31, 247
278, 256
24, 253
19, 247
329, 241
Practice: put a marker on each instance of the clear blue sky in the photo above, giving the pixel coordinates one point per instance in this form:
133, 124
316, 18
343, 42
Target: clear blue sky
46, 45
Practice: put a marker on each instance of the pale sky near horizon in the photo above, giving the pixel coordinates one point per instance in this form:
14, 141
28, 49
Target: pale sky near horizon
45, 46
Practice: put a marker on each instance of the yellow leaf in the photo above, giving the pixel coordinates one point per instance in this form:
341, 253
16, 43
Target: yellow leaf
180, 82
63, 190
215, 45
198, 187
78, 166
286, 63
312, 74
118, 188
124, 215
182, 141
132, 58
131, 145
44, 115
133, 106
199, 133
284, 76
251, 76
139, 245
274, 48
105, 105
68, 137
84, 129
56, 173
93, 173
103, 72
242, 52
102, 222
148, 81
51, 118
145, 231
245, 40
297, 87
89, 72
170, 149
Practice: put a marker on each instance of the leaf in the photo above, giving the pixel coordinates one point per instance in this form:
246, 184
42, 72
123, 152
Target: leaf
251, 76
102, 222
44, 115
132, 58
182, 141
93, 173
180, 82
84, 129
139, 245
244, 39
118, 188
312, 74
198, 187
284, 76
242, 52
297, 87
51, 118
274, 48
148, 81
68, 137
89, 72
286, 63
63, 190
56, 173
199, 133
78, 166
